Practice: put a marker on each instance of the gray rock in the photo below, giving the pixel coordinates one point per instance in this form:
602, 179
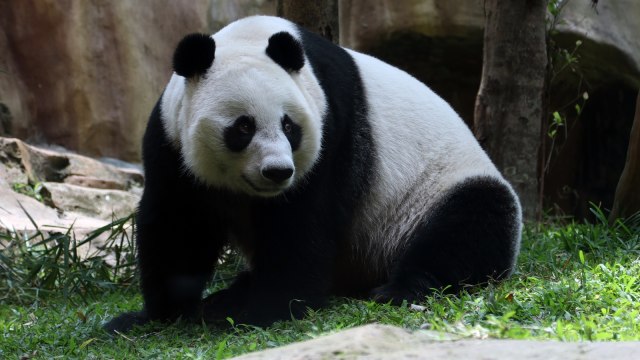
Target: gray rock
611, 45
76, 191
14, 208
388, 342
99, 203
99, 69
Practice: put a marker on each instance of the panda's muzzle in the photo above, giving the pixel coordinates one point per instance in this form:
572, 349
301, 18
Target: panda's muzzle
273, 190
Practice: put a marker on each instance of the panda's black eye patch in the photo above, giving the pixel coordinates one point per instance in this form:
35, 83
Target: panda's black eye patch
238, 136
292, 131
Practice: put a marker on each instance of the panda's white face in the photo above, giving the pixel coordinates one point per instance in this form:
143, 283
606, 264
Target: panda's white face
249, 128
244, 107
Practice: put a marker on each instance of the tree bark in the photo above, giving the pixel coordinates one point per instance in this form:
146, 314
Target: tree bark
627, 198
319, 16
509, 107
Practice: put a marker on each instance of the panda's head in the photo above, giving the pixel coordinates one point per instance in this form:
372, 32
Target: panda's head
249, 113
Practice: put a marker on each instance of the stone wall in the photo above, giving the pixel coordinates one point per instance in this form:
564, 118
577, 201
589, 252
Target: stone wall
84, 74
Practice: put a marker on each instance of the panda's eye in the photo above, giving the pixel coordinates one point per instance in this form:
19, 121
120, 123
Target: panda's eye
245, 125
244, 128
238, 136
287, 125
292, 131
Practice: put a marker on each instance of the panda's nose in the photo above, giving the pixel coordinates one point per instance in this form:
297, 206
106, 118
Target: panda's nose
277, 174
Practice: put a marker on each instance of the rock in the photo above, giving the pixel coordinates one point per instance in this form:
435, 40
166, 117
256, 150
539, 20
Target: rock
440, 41
75, 190
364, 23
86, 74
25, 216
98, 203
388, 342
45, 165
224, 11
6, 121
609, 31
14, 208
92, 182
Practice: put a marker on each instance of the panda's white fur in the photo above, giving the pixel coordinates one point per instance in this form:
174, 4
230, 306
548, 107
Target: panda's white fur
387, 193
424, 149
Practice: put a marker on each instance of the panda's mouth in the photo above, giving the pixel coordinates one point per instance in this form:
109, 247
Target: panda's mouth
262, 191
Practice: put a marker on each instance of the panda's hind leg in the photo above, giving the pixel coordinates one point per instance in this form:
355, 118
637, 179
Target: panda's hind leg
471, 236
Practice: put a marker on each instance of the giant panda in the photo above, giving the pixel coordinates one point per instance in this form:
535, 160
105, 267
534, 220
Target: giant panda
332, 173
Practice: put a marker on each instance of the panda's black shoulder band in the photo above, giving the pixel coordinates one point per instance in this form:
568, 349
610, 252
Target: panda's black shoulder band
286, 51
194, 55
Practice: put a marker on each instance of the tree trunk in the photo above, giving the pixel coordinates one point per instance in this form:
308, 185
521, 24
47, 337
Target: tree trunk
509, 107
627, 199
319, 16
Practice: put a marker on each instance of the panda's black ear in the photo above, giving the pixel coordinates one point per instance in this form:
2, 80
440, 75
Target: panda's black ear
286, 51
194, 55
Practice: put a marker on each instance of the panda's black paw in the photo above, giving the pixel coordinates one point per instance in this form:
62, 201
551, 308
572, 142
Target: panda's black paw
219, 306
408, 287
388, 295
125, 322
254, 308
227, 303
395, 294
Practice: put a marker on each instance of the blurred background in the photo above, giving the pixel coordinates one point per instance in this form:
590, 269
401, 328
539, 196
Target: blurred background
84, 75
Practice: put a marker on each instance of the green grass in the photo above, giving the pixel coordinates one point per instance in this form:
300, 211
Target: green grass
50, 263
573, 282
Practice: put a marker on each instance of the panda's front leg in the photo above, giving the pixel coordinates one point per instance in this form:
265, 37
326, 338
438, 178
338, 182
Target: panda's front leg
177, 251
174, 269
290, 272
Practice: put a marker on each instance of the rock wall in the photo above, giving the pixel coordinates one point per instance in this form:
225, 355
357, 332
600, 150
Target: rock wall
224, 11
85, 74
440, 41
611, 45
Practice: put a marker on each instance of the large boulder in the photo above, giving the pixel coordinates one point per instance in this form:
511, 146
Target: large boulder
86, 74
224, 11
609, 32
440, 41
388, 342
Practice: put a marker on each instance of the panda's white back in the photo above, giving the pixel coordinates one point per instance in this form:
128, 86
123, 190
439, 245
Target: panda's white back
423, 149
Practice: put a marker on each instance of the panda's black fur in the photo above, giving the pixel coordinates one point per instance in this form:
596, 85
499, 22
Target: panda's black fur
299, 244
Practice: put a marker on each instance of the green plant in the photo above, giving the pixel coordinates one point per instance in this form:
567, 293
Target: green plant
43, 262
563, 63
34, 191
562, 60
